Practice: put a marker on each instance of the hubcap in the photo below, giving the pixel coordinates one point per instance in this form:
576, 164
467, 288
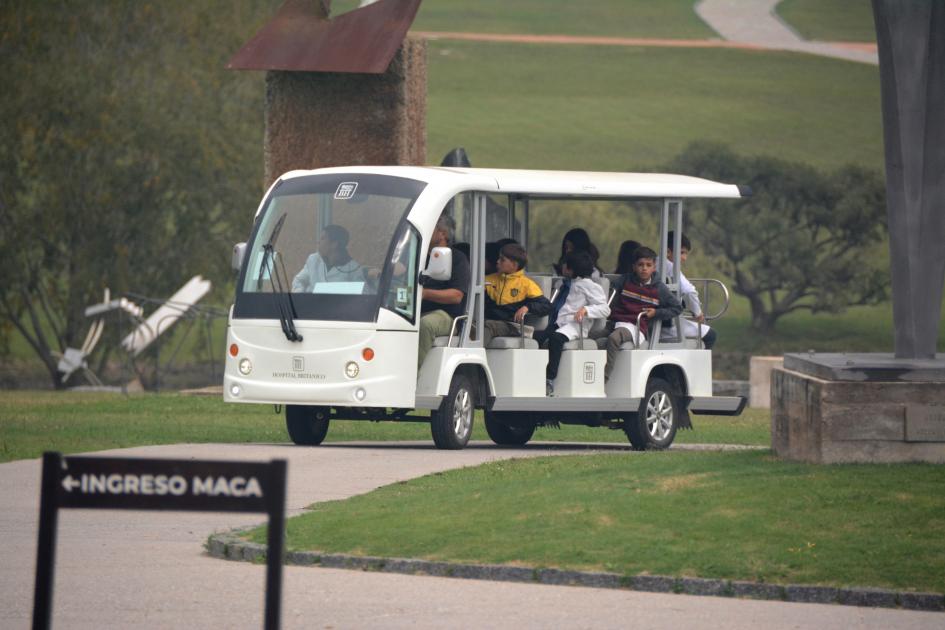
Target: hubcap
659, 415
462, 413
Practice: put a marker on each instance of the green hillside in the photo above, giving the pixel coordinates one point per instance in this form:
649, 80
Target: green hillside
830, 20
614, 18
617, 18
617, 108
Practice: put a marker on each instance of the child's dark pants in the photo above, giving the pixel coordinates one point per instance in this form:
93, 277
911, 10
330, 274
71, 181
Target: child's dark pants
555, 345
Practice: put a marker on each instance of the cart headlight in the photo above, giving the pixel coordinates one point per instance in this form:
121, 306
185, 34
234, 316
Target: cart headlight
360, 394
352, 369
235, 390
246, 366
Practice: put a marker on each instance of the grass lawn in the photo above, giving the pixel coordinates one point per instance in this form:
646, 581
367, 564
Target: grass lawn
740, 515
616, 18
858, 329
628, 108
830, 20
32, 422
734, 515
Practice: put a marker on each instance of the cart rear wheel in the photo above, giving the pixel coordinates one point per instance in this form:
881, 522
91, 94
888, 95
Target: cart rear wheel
307, 425
509, 429
654, 425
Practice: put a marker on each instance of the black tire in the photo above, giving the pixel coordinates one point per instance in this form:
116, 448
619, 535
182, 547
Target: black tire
509, 429
451, 424
307, 425
654, 425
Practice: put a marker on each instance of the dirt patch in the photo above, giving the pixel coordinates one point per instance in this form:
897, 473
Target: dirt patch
585, 40
605, 520
681, 482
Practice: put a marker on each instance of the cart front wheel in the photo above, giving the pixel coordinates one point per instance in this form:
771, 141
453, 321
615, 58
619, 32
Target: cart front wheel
451, 424
307, 425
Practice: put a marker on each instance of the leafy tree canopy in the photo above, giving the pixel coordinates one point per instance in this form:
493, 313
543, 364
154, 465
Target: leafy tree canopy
804, 240
129, 158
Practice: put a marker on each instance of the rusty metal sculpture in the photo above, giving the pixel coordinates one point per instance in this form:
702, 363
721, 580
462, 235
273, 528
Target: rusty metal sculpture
346, 90
303, 38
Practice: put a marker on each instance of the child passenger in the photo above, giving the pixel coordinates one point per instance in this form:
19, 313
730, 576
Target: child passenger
640, 291
695, 327
586, 300
577, 240
510, 295
625, 256
492, 254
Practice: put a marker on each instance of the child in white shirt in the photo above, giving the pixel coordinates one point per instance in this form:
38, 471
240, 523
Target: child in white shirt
586, 300
691, 328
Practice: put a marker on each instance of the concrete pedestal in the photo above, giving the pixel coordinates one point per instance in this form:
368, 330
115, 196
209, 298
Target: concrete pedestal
832, 408
759, 375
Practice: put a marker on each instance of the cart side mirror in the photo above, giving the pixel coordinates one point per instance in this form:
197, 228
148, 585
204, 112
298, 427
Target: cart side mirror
441, 264
239, 250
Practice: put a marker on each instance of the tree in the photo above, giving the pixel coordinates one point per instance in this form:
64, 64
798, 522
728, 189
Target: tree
129, 157
804, 240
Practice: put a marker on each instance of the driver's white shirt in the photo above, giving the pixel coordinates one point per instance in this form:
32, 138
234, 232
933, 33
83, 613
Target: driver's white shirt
316, 270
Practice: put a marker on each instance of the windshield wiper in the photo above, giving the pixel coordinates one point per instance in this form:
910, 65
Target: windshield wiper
282, 298
268, 251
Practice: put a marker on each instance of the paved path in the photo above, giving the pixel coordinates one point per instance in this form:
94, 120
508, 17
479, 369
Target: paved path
742, 24
754, 22
145, 570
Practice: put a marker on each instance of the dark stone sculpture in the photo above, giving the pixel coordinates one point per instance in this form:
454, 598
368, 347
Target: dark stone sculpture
911, 39
829, 408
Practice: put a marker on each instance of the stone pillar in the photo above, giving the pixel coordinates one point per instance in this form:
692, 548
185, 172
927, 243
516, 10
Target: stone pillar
911, 38
319, 119
759, 378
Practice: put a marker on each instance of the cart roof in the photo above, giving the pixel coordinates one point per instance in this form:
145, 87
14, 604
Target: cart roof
554, 183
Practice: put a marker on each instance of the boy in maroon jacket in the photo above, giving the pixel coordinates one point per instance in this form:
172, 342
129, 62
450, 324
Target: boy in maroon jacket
640, 291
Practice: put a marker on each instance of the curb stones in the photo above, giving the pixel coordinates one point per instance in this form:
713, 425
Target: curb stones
229, 546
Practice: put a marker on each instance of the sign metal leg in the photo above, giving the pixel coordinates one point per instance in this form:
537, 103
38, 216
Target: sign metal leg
46, 549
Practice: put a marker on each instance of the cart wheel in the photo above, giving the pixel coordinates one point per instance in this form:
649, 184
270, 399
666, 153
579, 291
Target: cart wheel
509, 429
452, 423
307, 425
654, 425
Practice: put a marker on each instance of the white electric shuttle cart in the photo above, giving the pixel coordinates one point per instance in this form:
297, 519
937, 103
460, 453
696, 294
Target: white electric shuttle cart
339, 340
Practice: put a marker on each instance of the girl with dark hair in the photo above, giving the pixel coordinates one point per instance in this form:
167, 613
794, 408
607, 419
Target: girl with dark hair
577, 240
625, 256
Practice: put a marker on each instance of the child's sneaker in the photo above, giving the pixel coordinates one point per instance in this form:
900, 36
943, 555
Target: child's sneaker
549, 387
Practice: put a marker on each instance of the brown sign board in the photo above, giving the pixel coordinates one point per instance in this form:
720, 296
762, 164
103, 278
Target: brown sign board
163, 484
159, 484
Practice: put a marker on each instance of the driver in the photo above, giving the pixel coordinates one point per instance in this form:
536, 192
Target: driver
443, 300
331, 263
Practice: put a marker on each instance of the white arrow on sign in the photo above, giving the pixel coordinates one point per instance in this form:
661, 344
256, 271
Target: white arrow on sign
69, 483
